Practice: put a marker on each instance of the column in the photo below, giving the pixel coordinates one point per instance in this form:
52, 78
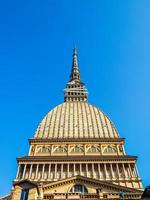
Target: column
55, 175
128, 171
93, 170
123, 149
137, 171
118, 171
80, 169
37, 169
68, 170
105, 170
31, 166
24, 171
43, 170
99, 170
87, 170
62, 169
124, 171
131, 173
49, 172
17, 176
109, 172
112, 171
74, 169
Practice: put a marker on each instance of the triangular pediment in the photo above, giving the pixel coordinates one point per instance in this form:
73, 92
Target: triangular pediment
25, 181
102, 185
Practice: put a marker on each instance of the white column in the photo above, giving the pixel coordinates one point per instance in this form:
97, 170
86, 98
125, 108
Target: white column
93, 170
137, 171
43, 170
68, 170
123, 149
55, 171
131, 171
128, 171
37, 169
99, 170
74, 169
30, 171
105, 170
118, 171
24, 171
80, 169
112, 171
87, 170
124, 171
62, 169
17, 176
49, 171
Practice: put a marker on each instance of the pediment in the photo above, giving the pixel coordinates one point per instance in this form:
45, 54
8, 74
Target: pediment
89, 182
27, 183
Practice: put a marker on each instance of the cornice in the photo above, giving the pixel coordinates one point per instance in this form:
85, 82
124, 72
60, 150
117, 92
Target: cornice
73, 140
76, 158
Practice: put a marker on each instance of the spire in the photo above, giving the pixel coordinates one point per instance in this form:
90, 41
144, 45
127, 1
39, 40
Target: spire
75, 89
75, 74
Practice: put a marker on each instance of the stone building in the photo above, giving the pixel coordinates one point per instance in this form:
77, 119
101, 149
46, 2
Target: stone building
76, 153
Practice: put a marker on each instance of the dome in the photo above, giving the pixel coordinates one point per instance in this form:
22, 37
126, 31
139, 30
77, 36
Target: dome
76, 120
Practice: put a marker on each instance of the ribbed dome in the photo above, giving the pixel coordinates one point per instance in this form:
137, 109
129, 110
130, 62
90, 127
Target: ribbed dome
76, 120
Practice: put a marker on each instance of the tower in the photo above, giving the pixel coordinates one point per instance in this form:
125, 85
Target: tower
76, 153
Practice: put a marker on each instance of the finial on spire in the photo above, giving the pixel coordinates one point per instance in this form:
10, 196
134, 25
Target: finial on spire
75, 89
75, 74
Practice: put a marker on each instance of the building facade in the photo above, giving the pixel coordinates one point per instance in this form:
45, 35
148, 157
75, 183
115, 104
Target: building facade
76, 153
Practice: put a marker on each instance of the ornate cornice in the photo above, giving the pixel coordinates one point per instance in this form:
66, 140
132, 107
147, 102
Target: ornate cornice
76, 158
73, 140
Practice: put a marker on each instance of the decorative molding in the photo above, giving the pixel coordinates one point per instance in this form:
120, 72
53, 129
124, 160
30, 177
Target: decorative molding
74, 140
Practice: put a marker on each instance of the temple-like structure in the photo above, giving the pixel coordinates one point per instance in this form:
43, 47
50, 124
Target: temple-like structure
76, 153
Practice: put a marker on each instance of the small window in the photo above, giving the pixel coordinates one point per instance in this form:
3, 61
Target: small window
110, 149
61, 150
77, 150
78, 189
44, 150
24, 194
94, 150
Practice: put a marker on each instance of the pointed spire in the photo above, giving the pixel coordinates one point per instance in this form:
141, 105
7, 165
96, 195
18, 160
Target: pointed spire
75, 89
75, 74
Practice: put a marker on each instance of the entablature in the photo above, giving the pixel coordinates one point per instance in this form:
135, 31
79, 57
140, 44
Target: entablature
77, 159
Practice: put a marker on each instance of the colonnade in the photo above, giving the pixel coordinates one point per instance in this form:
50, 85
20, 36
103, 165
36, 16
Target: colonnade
57, 171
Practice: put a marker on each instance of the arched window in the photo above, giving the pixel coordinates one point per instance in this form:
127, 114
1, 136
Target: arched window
110, 149
77, 150
60, 150
94, 150
44, 150
78, 189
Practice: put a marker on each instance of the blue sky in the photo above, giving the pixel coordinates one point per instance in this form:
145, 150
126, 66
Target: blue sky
36, 41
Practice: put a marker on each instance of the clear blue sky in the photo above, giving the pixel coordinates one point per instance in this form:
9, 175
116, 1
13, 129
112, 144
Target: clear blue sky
36, 41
